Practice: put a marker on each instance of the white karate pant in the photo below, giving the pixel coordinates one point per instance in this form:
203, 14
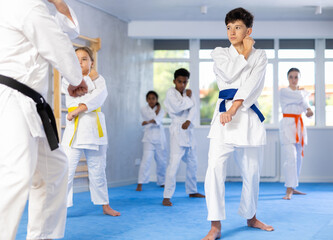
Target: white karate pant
28, 168
292, 163
151, 151
96, 161
189, 156
248, 159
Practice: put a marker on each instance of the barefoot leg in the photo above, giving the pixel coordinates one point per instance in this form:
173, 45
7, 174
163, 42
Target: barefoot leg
107, 210
139, 187
255, 223
167, 202
289, 193
214, 232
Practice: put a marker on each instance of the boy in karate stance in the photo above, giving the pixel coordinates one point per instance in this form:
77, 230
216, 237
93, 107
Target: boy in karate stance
181, 107
237, 125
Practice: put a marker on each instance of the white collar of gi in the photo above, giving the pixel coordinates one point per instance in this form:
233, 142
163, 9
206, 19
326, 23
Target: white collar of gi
233, 52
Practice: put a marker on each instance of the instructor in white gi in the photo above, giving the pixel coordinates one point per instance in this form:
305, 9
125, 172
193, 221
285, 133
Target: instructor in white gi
30, 40
237, 128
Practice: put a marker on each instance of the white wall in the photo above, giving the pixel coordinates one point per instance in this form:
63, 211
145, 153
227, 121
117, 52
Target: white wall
317, 164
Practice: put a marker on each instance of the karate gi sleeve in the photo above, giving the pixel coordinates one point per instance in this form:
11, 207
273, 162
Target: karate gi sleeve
51, 43
288, 96
226, 68
67, 26
305, 102
176, 103
96, 97
159, 117
146, 114
254, 84
192, 113
64, 86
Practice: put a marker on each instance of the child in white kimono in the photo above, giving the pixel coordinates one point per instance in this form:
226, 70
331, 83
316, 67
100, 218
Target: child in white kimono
154, 141
86, 133
182, 109
237, 125
293, 137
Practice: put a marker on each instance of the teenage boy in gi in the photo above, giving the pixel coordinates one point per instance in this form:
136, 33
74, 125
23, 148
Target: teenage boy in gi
181, 108
237, 126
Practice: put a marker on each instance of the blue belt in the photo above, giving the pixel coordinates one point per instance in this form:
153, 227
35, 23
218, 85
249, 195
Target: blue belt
229, 94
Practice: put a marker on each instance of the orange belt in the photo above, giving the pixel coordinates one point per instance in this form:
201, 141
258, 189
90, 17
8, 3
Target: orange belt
297, 117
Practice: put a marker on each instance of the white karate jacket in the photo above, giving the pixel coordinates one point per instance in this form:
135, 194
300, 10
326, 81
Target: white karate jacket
87, 133
248, 76
153, 133
31, 39
180, 108
293, 102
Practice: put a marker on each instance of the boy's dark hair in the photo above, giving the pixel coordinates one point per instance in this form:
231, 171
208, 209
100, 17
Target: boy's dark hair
181, 72
239, 14
293, 70
87, 50
153, 93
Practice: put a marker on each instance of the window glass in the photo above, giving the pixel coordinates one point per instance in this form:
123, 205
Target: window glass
329, 93
296, 53
329, 53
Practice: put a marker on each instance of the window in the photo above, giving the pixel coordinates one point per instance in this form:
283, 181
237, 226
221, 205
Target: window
169, 55
329, 92
329, 82
298, 53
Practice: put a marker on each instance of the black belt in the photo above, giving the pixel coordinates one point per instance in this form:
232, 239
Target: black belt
43, 108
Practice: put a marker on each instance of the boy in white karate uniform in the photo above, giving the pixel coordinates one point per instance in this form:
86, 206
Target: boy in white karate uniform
154, 141
182, 109
28, 168
293, 137
85, 132
237, 125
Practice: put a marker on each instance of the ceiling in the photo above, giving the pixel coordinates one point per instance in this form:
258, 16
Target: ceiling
190, 10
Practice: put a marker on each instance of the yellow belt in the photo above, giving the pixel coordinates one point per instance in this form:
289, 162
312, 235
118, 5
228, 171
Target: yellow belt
76, 121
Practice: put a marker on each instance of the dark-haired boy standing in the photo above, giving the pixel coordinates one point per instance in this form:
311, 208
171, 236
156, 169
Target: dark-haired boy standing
237, 127
182, 110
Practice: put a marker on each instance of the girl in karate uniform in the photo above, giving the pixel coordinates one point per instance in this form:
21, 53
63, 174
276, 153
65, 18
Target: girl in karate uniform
86, 133
154, 141
294, 101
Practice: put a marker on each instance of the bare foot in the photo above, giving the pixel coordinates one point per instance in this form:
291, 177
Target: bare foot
197, 195
107, 210
255, 223
214, 232
167, 202
298, 192
139, 187
289, 193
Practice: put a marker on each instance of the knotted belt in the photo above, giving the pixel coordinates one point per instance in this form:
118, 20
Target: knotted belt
76, 122
228, 94
43, 108
297, 117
